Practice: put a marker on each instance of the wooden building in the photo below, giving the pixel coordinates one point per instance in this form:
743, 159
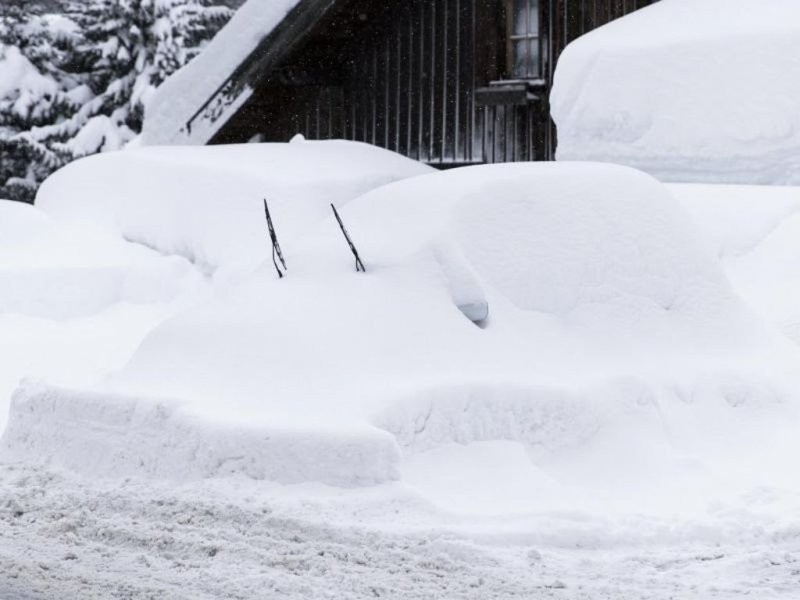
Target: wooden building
447, 82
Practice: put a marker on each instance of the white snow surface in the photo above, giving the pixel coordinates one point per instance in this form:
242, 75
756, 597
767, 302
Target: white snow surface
75, 300
206, 204
622, 426
66, 271
754, 232
687, 90
613, 333
187, 90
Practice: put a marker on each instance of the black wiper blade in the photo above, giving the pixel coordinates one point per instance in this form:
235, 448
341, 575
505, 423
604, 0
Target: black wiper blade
359, 264
276, 247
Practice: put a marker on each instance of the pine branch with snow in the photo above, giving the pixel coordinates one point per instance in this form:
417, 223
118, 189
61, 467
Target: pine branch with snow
76, 83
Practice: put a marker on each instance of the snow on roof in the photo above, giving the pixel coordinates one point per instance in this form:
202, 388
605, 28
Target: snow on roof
687, 90
184, 93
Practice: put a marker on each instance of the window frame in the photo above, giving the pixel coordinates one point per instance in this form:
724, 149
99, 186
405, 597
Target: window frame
534, 67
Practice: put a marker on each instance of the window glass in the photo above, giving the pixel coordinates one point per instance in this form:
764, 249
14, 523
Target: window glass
533, 17
523, 38
520, 17
519, 57
525, 17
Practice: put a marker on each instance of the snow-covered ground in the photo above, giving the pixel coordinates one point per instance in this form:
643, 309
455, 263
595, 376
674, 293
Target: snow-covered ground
623, 425
687, 90
69, 537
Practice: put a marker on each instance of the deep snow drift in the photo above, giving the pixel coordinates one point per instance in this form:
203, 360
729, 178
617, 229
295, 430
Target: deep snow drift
616, 358
205, 204
622, 425
52, 270
687, 90
754, 230
76, 300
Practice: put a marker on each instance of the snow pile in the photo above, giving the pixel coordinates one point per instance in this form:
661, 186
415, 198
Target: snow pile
21, 222
59, 272
688, 91
75, 301
122, 436
206, 204
612, 333
185, 93
755, 231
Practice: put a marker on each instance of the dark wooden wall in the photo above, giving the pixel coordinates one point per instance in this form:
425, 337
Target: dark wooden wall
403, 75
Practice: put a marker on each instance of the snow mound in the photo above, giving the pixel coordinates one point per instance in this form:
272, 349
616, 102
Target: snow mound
608, 318
56, 271
549, 238
118, 436
678, 91
755, 231
21, 222
205, 204
186, 91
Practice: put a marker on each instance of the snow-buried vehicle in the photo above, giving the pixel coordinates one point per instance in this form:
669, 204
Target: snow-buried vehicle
609, 317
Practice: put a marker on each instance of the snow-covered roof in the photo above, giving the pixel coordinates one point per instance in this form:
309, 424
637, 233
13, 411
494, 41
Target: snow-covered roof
187, 92
694, 90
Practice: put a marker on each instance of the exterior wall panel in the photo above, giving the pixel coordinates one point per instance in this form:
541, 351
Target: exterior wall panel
407, 81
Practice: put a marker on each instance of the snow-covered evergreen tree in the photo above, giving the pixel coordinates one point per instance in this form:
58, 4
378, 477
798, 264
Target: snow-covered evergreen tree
34, 91
76, 83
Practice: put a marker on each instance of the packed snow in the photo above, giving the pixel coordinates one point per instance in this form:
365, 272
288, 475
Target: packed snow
623, 424
186, 92
687, 90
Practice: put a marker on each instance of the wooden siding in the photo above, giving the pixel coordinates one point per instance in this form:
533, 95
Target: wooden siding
404, 76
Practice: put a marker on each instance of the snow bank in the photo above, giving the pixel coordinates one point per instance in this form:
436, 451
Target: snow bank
55, 271
610, 235
20, 222
186, 91
75, 301
755, 231
118, 436
612, 329
687, 91
205, 204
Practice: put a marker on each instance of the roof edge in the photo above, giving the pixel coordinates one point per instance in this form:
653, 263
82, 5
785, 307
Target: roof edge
255, 69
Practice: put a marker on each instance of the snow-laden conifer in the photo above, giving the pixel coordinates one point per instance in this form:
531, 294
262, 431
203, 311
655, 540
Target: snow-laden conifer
76, 83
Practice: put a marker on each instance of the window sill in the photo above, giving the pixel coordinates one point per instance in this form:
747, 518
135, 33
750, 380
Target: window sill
511, 91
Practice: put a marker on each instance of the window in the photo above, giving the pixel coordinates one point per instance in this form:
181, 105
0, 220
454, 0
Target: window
523, 39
